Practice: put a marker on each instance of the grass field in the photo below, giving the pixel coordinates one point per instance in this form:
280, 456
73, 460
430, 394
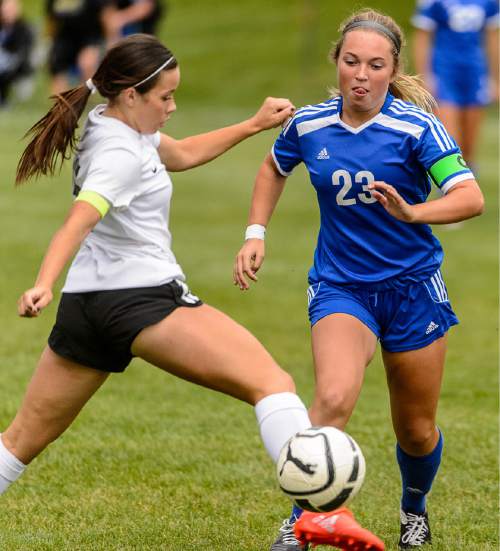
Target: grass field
155, 463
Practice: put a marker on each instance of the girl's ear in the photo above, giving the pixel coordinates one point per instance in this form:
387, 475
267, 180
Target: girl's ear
395, 75
129, 96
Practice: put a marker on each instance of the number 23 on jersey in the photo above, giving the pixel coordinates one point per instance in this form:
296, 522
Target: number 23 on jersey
343, 179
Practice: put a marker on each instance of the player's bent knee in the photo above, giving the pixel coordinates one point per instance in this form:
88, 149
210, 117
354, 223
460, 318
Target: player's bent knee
332, 407
415, 439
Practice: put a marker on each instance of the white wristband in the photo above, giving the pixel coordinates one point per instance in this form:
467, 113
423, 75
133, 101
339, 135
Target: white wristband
255, 231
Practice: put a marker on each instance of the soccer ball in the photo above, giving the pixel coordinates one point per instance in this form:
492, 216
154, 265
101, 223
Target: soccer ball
321, 468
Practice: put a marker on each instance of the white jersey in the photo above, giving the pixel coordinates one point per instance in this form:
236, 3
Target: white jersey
130, 246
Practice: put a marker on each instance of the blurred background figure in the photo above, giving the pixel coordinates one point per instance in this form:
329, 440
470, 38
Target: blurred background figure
124, 17
76, 29
456, 52
16, 44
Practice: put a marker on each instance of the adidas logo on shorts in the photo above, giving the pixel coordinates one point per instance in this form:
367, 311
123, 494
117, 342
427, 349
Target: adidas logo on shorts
431, 327
323, 154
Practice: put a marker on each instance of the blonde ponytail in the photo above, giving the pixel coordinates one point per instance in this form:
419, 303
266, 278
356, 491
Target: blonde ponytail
411, 88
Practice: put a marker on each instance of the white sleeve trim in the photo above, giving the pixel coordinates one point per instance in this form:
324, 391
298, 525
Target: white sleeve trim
455, 180
280, 170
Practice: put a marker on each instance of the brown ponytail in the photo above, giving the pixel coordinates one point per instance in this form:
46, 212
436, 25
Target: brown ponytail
53, 135
131, 62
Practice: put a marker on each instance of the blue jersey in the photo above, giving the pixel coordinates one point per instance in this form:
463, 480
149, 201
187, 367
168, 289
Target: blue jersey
459, 27
359, 242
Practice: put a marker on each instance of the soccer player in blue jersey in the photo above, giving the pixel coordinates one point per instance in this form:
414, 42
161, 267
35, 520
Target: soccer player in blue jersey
456, 51
372, 152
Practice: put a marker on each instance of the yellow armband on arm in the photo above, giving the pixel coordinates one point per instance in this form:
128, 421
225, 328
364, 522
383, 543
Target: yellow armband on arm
95, 200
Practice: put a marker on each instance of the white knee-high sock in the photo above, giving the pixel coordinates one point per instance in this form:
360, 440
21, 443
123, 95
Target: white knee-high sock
10, 467
280, 416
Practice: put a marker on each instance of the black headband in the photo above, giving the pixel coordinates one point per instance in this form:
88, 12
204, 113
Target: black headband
367, 23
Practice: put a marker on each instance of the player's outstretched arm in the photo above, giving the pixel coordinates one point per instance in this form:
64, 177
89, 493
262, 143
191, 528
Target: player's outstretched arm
178, 155
267, 190
464, 200
81, 219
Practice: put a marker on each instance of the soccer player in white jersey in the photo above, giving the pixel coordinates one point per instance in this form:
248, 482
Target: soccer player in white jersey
125, 294
372, 152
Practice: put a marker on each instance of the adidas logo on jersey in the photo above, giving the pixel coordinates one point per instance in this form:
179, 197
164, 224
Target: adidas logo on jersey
431, 327
322, 155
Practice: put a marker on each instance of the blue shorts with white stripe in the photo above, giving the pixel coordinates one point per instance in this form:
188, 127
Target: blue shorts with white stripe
407, 318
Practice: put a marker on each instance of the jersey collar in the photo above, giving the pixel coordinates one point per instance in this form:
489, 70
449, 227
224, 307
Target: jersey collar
388, 100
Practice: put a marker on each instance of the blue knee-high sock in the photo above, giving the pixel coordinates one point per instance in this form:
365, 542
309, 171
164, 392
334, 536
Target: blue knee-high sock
417, 475
296, 512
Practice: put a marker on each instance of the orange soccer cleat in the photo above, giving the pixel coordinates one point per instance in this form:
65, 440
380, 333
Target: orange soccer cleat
337, 528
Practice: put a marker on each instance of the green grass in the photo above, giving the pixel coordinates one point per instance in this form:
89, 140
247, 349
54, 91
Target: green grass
156, 463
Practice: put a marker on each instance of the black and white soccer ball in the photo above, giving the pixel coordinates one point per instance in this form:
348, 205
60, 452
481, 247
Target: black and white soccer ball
321, 469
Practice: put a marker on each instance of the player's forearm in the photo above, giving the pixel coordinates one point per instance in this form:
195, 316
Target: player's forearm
267, 190
460, 203
197, 150
63, 246
202, 148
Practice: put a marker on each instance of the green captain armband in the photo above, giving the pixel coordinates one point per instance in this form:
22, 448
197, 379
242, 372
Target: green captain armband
95, 200
446, 167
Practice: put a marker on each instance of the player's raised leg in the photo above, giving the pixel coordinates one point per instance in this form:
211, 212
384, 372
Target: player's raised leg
55, 395
188, 344
207, 347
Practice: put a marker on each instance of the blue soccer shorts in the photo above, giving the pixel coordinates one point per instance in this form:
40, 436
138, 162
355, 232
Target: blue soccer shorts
462, 88
407, 318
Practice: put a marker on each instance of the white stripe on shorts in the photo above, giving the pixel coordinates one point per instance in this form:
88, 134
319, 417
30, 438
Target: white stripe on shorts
439, 287
311, 293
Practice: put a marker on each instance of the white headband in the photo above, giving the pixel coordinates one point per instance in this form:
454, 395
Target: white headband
154, 73
91, 86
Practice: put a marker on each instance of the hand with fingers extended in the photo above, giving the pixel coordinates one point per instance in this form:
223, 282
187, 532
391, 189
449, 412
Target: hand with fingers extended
272, 113
392, 201
33, 301
248, 262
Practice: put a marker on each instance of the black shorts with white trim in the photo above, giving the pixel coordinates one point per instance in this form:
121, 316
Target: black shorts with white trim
97, 328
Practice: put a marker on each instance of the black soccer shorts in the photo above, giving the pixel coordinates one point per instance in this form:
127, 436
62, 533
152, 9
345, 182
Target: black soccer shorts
97, 328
